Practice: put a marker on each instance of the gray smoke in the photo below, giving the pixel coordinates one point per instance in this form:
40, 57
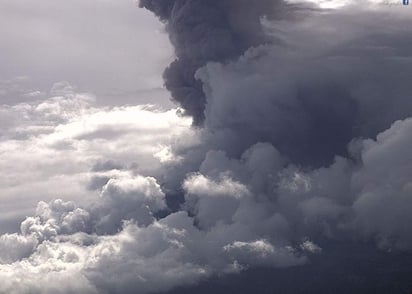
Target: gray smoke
205, 31
278, 92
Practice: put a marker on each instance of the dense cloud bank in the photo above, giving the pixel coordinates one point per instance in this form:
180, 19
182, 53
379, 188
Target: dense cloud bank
306, 142
238, 214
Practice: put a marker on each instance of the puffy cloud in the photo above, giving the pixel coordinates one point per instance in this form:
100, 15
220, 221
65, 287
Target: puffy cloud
15, 247
51, 145
213, 201
54, 218
384, 187
129, 198
118, 245
261, 252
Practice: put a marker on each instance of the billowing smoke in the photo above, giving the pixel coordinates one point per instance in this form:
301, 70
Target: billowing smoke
304, 99
306, 142
205, 31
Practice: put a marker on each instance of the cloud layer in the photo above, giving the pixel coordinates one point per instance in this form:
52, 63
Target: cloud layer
234, 218
63, 145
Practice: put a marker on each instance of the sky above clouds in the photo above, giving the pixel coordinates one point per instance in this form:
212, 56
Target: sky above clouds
193, 146
110, 48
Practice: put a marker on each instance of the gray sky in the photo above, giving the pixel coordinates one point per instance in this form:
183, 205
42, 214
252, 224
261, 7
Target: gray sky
110, 48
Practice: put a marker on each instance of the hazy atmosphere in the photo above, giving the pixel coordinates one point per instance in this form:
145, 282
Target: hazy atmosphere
205, 146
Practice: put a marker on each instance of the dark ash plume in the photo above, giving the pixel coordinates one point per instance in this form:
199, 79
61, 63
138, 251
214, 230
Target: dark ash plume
302, 104
309, 127
204, 31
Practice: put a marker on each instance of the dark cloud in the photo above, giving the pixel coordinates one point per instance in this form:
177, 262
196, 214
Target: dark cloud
205, 31
307, 94
309, 99
361, 269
